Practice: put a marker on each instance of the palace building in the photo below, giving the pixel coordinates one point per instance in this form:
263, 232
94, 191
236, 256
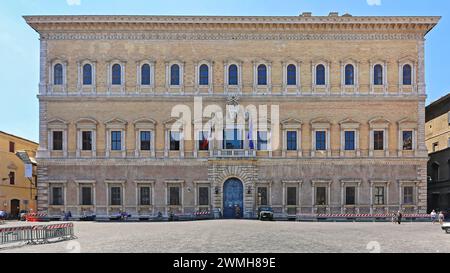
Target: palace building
344, 97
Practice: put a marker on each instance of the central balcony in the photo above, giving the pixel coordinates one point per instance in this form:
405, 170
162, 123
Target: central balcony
232, 153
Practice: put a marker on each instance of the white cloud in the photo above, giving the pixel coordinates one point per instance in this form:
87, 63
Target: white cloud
374, 2
73, 2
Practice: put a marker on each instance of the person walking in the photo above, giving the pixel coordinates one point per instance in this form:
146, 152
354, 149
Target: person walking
441, 218
399, 217
433, 217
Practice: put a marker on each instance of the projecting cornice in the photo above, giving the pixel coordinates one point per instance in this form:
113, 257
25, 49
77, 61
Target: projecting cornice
246, 27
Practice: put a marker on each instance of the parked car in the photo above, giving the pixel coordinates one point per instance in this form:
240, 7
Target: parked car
446, 227
265, 213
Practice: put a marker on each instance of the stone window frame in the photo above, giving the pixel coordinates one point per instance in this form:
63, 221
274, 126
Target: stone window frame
109, 66
109, 185
81, 86
198, 184
413, 63
174, 125
233, 88
264, 125
345, 183
379, 183
321, 124
408, 183
58, 124
210, 86
57, 183
203, 125
83, 125
262, 89
379, 124
355, 86
62, 61
83, 183
349, 124
139, 84
327, 65
298, 86
115, 124
292, 124
168, 184
267, 183
169, 86
315, 183
384, 65
145, 124
297, 183
145, 184
407, 124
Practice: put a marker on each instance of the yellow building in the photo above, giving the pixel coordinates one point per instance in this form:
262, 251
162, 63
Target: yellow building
17, 192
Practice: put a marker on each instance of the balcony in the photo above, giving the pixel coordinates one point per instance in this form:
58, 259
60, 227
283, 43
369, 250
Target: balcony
233, 153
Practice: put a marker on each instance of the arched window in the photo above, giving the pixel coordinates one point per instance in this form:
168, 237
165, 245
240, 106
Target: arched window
407, 74
233, 75
175, 75
378, 75
320, 74
58, 74
116, 74
145, 74
87, 74
291, 75
204, 75
262, 74
349, 74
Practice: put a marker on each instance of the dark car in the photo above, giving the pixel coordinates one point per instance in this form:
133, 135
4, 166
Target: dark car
265, 213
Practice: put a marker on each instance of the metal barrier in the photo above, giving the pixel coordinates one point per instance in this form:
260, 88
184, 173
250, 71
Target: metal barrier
36, 234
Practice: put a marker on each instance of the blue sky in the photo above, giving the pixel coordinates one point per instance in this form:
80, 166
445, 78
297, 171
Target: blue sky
19, 44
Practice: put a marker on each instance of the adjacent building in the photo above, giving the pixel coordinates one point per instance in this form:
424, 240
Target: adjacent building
18, 177
438, 144
344, 97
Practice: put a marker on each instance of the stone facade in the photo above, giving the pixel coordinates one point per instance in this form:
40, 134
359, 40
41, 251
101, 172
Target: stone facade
379, 179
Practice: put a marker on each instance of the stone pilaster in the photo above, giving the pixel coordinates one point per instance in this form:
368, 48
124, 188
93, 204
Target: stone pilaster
422, 188
42, 188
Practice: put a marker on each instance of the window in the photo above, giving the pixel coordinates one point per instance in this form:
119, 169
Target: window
291, 75
116, 196
86, 140
291, 140
233, 139
379, 195
203, 196
116, 74
408, 195
57, 196
262, 141
407, 140
350, 196
262, 196
86, 196
320, 74
233, 75
145, 74
321, 196
87, 74
174, 141
12, 178
435, 146
292, 196
57, 140
174, 196
175, 75
378, 140
12, 147
349, 140
204, 75
144, 196
349, 74
321, 141
58, 74
378, 75
407, 74
262, 74
203, 142
116, 140
145, 140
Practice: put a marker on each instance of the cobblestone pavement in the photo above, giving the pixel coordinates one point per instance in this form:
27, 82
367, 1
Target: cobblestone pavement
248, 236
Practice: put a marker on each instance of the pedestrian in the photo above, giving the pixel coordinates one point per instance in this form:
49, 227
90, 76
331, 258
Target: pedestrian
399, 217
394, 218
433, 217
441, 218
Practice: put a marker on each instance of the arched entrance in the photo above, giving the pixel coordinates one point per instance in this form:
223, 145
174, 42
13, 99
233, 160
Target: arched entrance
15, 208
233, 197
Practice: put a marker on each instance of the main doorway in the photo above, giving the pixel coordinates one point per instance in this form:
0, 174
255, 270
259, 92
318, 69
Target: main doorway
15, 208
233, 198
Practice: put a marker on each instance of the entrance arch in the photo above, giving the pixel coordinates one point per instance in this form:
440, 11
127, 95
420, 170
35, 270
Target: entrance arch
233, 197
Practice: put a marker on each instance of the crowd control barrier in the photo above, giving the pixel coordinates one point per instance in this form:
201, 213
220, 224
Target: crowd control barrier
40, 234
